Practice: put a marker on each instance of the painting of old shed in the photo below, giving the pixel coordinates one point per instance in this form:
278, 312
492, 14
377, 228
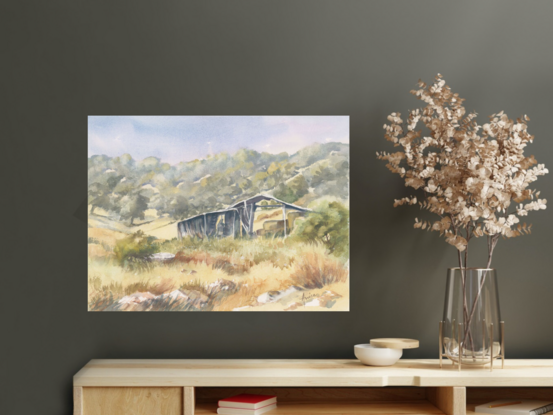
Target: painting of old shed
238, 220
218, 214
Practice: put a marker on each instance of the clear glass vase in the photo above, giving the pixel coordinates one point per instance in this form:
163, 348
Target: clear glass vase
471, 332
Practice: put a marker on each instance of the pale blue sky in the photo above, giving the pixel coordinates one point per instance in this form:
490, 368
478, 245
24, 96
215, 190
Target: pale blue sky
183, 138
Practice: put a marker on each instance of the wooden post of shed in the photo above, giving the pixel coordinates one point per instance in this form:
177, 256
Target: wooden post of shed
233, 223
246, 221
241, 226
284, 218
205, 225
252, 217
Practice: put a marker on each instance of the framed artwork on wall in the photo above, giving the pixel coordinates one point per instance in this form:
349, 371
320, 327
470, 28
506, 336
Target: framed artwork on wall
218, 213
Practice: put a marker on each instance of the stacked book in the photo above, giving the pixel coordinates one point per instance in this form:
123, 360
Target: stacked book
515, 407
247, 404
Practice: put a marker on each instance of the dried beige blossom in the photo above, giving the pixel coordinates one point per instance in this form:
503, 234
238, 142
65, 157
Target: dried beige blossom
475, 178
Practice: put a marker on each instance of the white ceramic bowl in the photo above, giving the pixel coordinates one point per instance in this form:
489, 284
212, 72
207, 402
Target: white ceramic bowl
377, 356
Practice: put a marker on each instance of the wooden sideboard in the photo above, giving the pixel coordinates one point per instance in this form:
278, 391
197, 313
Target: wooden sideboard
187, 387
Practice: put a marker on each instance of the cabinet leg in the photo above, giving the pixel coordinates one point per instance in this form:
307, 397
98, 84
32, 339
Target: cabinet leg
451, 400
77, 400
189, 401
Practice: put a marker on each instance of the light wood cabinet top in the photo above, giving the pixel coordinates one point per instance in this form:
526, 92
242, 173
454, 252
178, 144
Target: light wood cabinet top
306, 373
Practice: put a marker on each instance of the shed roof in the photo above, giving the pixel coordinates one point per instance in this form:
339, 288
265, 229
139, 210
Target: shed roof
259, 198
208, 213
250, 201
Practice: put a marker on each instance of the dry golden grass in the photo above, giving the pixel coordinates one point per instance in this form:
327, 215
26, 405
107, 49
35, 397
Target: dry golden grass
117, 289
313, 270
249, 289
98, 251
161, 228
340, 304
256, 266
262, 278
195, 257
105, 236
164, 286
101, 225
265, 277
107, 274
246, 295
224, 262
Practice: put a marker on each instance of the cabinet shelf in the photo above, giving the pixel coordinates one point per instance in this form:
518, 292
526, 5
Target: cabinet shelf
321, 387
334, 408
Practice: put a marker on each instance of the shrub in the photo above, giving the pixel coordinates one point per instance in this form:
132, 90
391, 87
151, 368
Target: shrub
164, 286
134, 250
232, 268
316, 271
196, 285
329, 224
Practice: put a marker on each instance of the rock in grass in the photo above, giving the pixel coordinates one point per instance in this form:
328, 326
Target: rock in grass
327, 299
196, 298
221, 285
134, 302
137, 298
162, 257
273, 296
175, 295
175, 300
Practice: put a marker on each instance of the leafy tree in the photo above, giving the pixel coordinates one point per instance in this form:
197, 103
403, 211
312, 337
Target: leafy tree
260, 177
97, 197
134, 207
127, 187
100, 194
149, 163
277, 173
299, 186
180, 208
329, 224
322, 175
112, 181
293, 190
285, 193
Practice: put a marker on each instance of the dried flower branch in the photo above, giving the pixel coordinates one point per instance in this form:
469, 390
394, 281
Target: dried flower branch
475, 178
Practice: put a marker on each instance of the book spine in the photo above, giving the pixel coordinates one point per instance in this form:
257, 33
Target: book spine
543, 410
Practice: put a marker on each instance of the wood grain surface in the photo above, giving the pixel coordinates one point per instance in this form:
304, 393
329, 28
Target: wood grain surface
392, 343
307, 373
133, 401
450, 400
77, 400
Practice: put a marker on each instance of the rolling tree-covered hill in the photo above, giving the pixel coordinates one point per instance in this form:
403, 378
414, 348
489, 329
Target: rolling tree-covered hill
126, 188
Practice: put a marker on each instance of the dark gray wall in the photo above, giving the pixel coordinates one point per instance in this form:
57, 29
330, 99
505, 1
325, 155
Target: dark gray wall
62, 61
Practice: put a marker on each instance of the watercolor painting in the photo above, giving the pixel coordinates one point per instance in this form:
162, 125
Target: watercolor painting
218, 213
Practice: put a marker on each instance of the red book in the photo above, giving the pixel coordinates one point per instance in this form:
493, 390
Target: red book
247, 401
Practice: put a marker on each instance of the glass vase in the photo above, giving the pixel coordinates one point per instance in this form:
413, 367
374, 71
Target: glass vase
471, 332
